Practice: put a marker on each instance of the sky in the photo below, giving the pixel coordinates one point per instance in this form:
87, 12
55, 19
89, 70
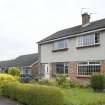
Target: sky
25, 22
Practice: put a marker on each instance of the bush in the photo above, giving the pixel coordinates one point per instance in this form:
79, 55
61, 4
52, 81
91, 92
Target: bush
14, 71
5, 78
29, 94
97, 82
60, 79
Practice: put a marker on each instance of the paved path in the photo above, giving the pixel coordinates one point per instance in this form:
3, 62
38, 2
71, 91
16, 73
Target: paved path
6, 101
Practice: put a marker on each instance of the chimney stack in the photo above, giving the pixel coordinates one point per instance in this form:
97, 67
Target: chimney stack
85, 18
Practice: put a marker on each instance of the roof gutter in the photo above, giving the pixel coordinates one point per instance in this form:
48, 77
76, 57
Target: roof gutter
34, 63
73, 35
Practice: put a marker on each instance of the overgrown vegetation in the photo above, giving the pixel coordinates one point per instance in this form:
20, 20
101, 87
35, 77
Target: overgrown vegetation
14, 71
82, 96
77, 94
60, 79
98, 82
29, 94
44, 81
4, 79
42, 93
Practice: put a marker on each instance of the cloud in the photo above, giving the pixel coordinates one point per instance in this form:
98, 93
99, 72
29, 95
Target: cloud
25, 22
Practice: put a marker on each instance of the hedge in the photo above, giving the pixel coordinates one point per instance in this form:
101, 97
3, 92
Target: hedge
5, 78
29, 94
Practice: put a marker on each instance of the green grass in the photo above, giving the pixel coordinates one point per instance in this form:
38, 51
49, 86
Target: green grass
83, 96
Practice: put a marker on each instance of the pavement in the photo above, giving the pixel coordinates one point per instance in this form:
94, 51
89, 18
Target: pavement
7, 101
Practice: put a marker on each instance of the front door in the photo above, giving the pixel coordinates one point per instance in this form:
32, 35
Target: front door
46, 71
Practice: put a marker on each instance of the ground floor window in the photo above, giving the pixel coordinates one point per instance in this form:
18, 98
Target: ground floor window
25, 70
62, 68
88, 68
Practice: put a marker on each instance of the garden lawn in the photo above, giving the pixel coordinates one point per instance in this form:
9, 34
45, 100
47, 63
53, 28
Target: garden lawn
82, 96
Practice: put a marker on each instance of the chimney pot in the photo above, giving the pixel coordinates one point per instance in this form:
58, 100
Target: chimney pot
85, 18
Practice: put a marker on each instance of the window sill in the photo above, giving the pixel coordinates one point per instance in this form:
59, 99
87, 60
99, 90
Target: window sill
83, 76
93, 45
66, 75
64, 49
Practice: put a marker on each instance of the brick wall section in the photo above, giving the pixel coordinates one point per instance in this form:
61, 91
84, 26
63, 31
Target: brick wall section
73, 74
35, 69
72, 71
50, 70
81, 80
103, 67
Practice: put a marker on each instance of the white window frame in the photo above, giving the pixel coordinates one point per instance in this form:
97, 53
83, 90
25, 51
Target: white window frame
65, 64
24, 69
87, 64
55, 45
81, 38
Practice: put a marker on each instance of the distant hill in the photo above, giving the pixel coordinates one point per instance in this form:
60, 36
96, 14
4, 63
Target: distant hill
23, 60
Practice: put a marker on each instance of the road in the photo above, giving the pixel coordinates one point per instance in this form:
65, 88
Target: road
6, 101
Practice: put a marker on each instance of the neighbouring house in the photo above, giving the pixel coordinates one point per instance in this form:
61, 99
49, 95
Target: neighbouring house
76, 52
28, 65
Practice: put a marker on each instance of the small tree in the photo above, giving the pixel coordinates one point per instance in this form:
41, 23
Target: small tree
14, 71
60, 79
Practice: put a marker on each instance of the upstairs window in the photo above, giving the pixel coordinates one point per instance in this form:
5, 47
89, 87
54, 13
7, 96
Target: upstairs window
62, 44
87, 40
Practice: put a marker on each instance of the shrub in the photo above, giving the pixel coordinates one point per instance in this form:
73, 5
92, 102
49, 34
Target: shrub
5, 78
60, 79
97, 82
29, 94
14, 71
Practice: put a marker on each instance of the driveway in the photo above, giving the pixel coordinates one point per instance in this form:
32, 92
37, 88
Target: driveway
6, 101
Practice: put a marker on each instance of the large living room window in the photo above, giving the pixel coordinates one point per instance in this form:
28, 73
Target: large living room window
62, 44
62, 68
87, 40
88, 68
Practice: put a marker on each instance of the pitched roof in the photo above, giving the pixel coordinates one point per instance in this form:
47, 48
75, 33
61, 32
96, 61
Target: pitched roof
24, 60
76, 30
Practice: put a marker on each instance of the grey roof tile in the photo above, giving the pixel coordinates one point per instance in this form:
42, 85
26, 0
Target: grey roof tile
76, 30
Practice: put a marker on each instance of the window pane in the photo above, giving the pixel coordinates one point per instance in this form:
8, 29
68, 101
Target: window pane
60, 68
97, 37
94, 62
66, 68
88, 39
89, 68
60, 44
80, 41
83, 62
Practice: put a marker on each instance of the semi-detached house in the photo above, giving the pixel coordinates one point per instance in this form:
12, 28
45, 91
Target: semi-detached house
76, 52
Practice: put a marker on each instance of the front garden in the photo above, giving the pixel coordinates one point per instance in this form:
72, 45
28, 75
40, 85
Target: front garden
57, 92
76, 94
83, 96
